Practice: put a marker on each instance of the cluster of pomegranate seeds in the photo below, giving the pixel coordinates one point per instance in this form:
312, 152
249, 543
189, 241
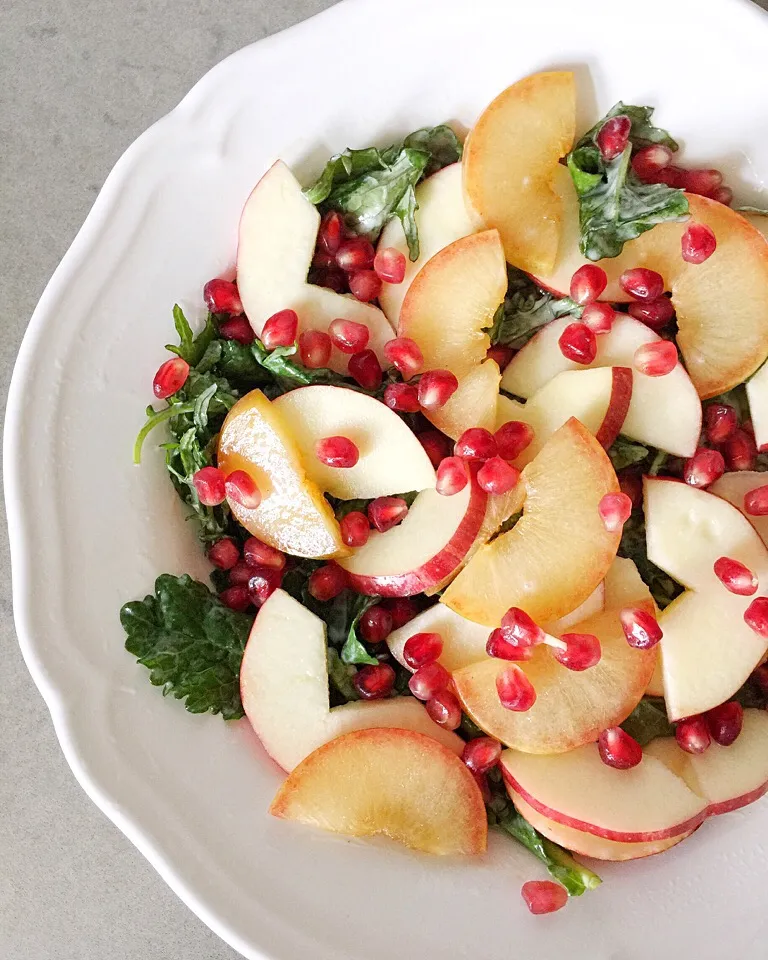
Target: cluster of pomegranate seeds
402, 609
436, 445
365, 285
209, 485
436, 387
656, 359
725, 722
350, 262
502, 355
263, 584
618, 749
615, 510
735, 577
221, 296
740, 450
170, 378
386, 512
649, 160
756, 501
256, 553
481, 754
236, 598
756, 616
375, 624
512, 438
588, 283
389, 264
497, 476
421, 649
613, 136
515, 690
544, 896
374, 682
224, 554
720, 422
405, 355
315, 349
641, 628
502, 648
577, 342
452, 476
356, 253
348, 335
355, 529
241, 573
599, 317
476, 443
582, 651
445, 709
364, 367
403, 397
429, 680
327, 582
280, 330
704, 467
655, 314
338, 452
698, 243
692, 734
653, 164
242, 488
642, 284
239, 329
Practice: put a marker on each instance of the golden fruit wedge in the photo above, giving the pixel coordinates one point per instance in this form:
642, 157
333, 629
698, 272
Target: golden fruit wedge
293, 515
511, 160
559, 551
395, 783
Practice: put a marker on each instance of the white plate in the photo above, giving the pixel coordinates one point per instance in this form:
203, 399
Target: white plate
89, 531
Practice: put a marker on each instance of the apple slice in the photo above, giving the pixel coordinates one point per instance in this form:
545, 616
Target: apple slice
733, 487
594, 604
647, 420
640, 805
757, 395
559, 551
423, 551
707, 649
284, 689
442, 216
391, 458
394, 783
598, 398
447, 311
511, 159
278, 229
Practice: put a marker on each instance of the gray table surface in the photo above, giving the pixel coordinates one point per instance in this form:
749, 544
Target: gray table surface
79, 81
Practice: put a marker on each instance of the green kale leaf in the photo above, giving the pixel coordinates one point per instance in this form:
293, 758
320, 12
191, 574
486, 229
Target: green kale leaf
648, 721
353, 650
527, 308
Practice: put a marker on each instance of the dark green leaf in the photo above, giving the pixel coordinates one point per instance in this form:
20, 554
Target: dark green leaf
200, 413
525, 310
405, 211
441, 143
287, 372
626, 453
643, 132
340, 676
353, 650
648, 720
342, 168
192, 348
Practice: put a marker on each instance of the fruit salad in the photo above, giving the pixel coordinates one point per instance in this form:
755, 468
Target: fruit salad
474, 440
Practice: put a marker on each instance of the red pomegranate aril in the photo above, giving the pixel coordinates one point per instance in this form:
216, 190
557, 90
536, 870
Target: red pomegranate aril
436, 445
436, 387
259, 554
512, 438
364, 285
452, 476
240, 574
403, 397
429, 680
335, 280
515, 690
544, 896
364, 367
224, 554
209, 484
221, 296
723, 195
693, 734
740, 451
649, 160
242, 488
588, 283
331, 233
349, 336
375, 624
502, 355
582, 651
402, 609
670, 175
615, 510
642, 283
598, 317
702, 182
735, 577
389, 264
720, 422
404, 354
618, 749
641, 629
655, 314
698, 243
170, 378
497, 476
280, 330
327, 582
263, 584
481, 754
338, 452
374, 682
756, 501
482, 781
421, 649
656, 359
577, 342
476, 443
704, 467
725, 722
750, 429
322, 260
501, 647
760, 676
355, 529
237, 329
315, 349
386, 512
613, 136
520, 629
236, 598
756, 616
445, 710
355, 254
631, 484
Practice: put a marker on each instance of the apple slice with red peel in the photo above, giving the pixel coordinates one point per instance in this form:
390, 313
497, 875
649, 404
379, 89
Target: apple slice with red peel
278, 230
757, 395
647, 419
511, 161
707, 649
394, 783
733, 487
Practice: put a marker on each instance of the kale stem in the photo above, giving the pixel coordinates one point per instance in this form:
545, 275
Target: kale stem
174, 410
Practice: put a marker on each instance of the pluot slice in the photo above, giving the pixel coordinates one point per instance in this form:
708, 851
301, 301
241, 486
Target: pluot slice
734, 486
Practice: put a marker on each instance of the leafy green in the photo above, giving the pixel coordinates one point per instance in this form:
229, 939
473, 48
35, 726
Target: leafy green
760, 211
526, 308
629, 453
648, 720
340, 676
663, 588
191, 644
353, 650
287, 374
642, 134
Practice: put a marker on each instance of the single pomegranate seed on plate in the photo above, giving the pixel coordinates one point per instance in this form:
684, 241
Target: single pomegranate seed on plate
452, 476
402, 610
224, 554
236, 598
331, 233
338, 452
355, 529
693, 734
327, 582
315, 349
364, 367
642, 283
170, 378
512, 438
698, 243
349, 336
497, 476
259, 554
364, 285
725, 722
375, 624
544, 896
702, 182
386, 512
422, 648
355, 254
280, 330
631, 484
221, 296
670, 175
389, 264
240, 574
445, 709
374, 682
577, 342
582, 651
209, 484
476, 443
502, 355
334, 280
501, 647
481, 754
404, 354
436, 445
723, 195
237, 329
735, 577
599, 317
241, 487
756, 616
641, 629
515, 690
740, 451
402, 396
618, 749
263, 584
720, 422
436, 387
649, 160
520, 629
588, 283
656, 359
615, 509
655, 314
704, 467
429, 680
756, 501
614, 136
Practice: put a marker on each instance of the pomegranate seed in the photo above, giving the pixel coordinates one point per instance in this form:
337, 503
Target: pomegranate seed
760, 676
263, 584
389, 264
501, 355
497, 476
402, 609
364, 285
422, 648
501, 648
315, 349
436, 445
631, 484
280, 330
355, 254
656, 359
756, 616
740, 451
436, 387
655, 314
725, 722
374, 682
259, 554
364, 367
331, 232
642, 284
322, 260
452, 476
240, 574
544, 896
588, 283
720, 422
515, 690
209, 484
640, 628
735, 577
334, 280
404, 354
338, 452
702, 182
615, 509
698, 243
476, 443
355, 529
704, 467
445, 710
224, 554
618, 749
723, 195
598, 317
613, 137
375, 624
520, 629
670, 175
327, 582
349, 336
429, 680
750, 429
649, 160
582, 651
237, 329
577, 342
221, 296
512, 438
170, 378
241, 487
481, 754
236, 598
402, 396
756, 501
386, 512
482, 781
693, 734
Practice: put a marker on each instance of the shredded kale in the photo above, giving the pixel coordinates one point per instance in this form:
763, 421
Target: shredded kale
648, 721
526, 308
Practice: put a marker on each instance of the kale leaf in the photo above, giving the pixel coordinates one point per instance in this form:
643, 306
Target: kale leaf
353, 650
648, 720
526, 308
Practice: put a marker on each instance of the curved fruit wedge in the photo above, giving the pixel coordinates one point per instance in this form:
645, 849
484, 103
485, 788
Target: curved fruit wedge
559, 551
598, 398
284, 689
395, 783
758, 220
447, 311
293, 515
733, 487
647, 419
707, 649
643, 804
511, 159
442, 216
757, 395
391, 458
278, 229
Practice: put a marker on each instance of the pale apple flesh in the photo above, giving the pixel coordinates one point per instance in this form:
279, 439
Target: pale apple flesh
734, 486
757, 395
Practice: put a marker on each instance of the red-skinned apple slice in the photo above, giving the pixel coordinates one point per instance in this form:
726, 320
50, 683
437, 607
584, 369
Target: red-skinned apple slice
757, 395
734, 486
